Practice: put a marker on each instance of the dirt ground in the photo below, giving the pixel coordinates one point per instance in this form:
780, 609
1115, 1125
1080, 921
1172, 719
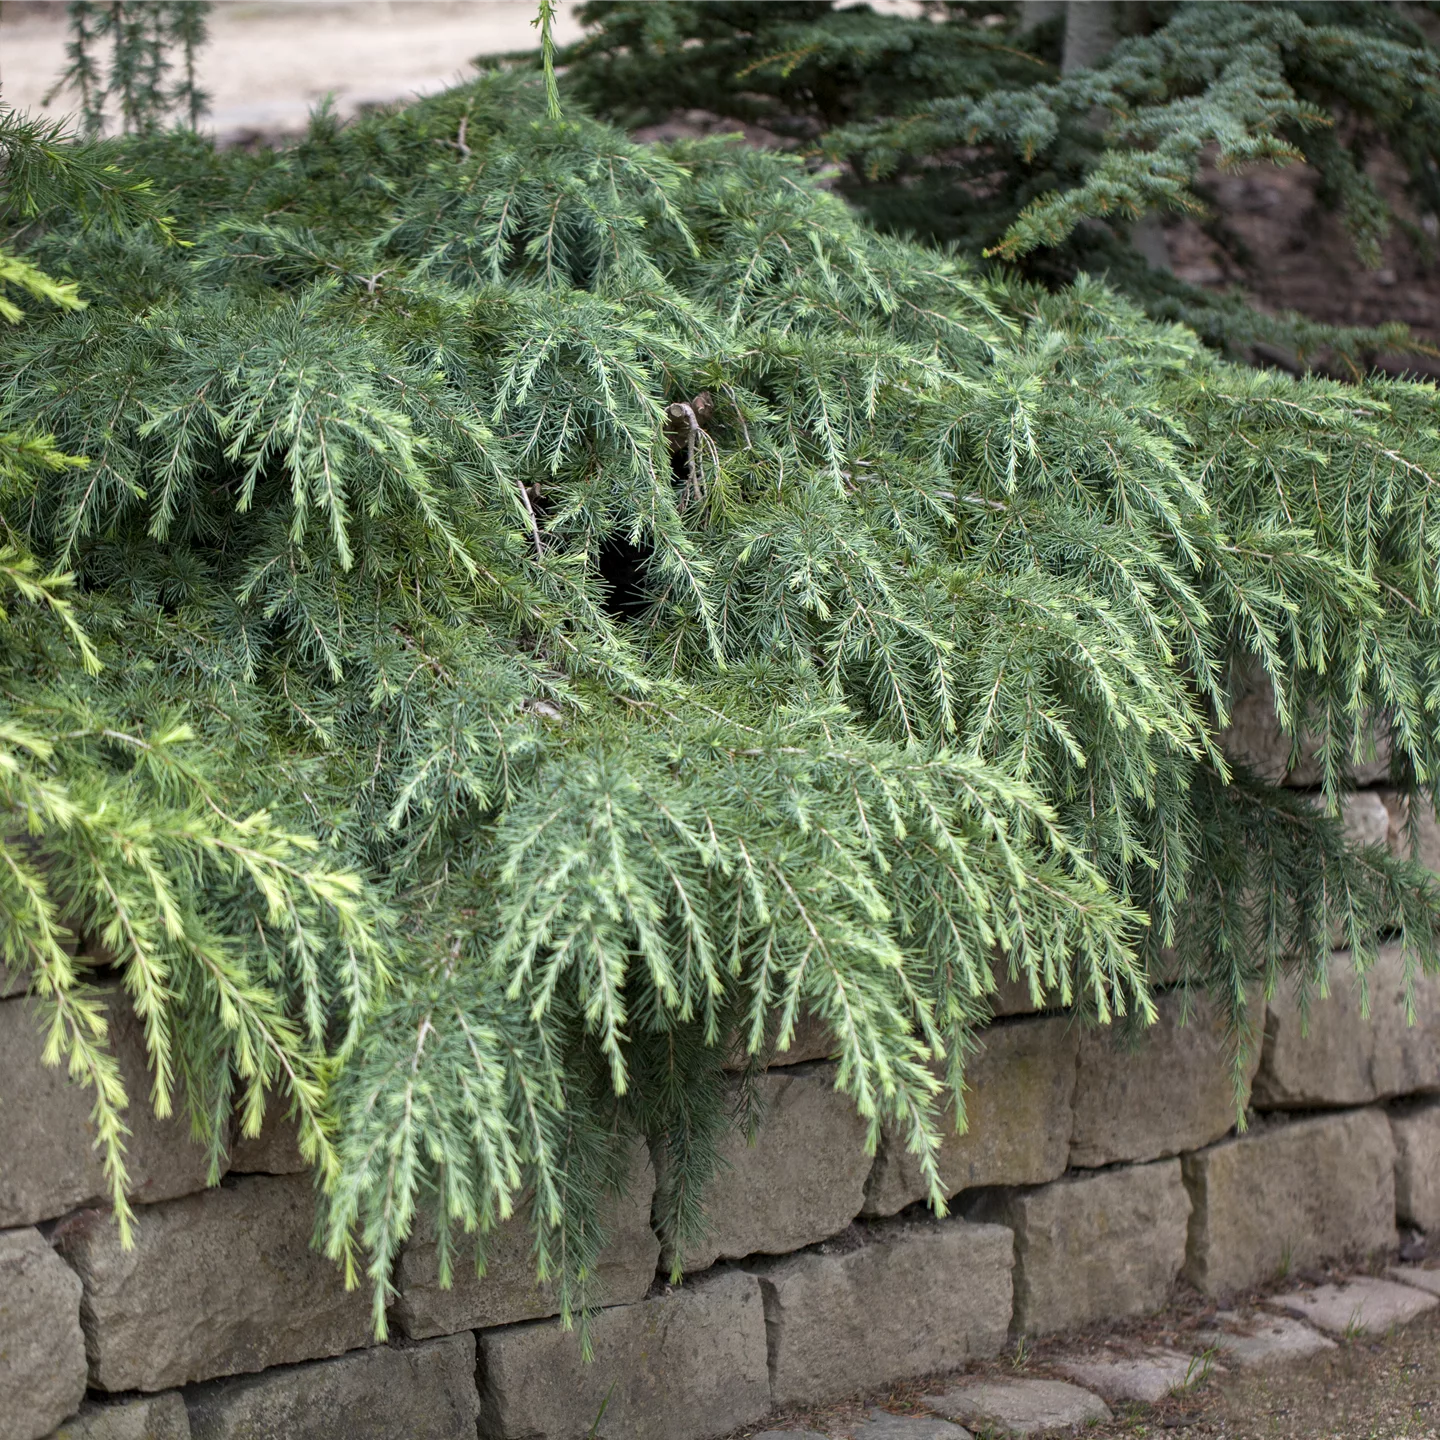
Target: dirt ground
269, 64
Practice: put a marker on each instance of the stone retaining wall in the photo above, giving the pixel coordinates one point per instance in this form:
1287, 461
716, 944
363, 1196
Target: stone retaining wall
1094, 1177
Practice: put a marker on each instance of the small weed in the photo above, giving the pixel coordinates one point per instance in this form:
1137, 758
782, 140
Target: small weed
1020, 1356
1287, 1261
1354, 1326
594, 1429
1200, 1366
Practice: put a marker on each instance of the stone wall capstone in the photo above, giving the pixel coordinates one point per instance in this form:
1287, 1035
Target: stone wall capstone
217, 1284
508, 1292
1347, 1058
687, 1365
1287, 1196
418, 1392
1019, 1087
802, 1180
1170, 1092
1094, 1247
917, 1299
51, 1165
42, 1352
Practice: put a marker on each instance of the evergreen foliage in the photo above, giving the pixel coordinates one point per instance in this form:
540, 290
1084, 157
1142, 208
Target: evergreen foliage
560, 606
958, 126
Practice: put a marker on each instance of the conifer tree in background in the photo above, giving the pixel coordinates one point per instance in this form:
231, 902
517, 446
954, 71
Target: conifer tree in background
526, 614
1055, 136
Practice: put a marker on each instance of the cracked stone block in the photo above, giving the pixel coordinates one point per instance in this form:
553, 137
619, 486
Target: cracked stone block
687, 1365
1169, 1092
415, 1392
1348, 1058
1019, 1407
920, 1298
51, 1165
1019, 1087
802, 1180
1417, 1164
217, 1284
148, 1417
1256, 1340
1427, 1280
881, 1425
1094, 1247
42, 1351
1425, 847
508, 1291
1288, 1196
1255, 738
1147, 1378
1360, 1306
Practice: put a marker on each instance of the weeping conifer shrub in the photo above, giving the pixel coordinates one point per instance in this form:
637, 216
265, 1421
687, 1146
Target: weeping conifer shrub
561, 608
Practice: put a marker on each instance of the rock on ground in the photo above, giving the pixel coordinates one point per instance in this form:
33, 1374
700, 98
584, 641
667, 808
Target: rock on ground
1020, 1407
1146, 1378
919, 1299
1289, 1196
801, 1181
42, 1352
217, 1284
1361, 1306
1094, 1247
419, 1392
1019, 1088
1427, 1280
682, 1366
1260, 1340
881, 1425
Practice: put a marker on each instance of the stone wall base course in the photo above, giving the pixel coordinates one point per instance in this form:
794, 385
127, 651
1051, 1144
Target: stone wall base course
1416, 1129
42, 1352
149, 1417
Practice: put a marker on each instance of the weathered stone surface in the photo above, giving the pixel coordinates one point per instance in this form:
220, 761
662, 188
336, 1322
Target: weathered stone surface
507, 1292
1289, 1195
881, 1425
1255, 738
217, 1284
1020, 1407
12, 982
1426, 846
1417, 1164
1361, 1306
42, 1352
1347, 1059
1146, 1378
420, 1392
1018, 1092
150, 1417
918, 1299
810, 1040
1365, 817
682, 1366
45, 1133
1170, 1092
1258, 1340
1094, 1247
791, 1435
1013, 997
1427, 1280
802, 1180
274, 1151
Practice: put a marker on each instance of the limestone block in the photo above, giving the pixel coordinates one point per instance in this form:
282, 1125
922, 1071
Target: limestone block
1289, 1196
1255, 738
419, 1392
802, 1180
1420, 1278
1426, 847
683, 1366
217, 1284
1417, 1164
1172, 1091
274, 1151
1365, 817
45, 1133
1094, 1247
1347, 1059
149, 1417
1019, 1088
42, 1352
1146, 1378
1358, 1306
920, 1298
1020, 1407
1256, 1341
507, 1292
